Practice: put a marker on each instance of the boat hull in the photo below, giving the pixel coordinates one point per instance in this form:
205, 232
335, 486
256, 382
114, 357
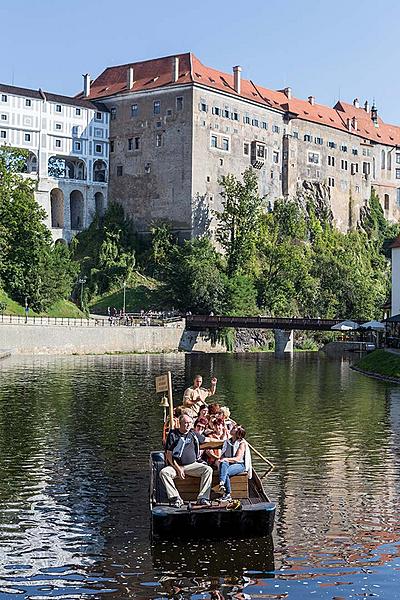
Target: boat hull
252, 519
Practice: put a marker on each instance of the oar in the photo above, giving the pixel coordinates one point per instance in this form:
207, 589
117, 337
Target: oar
269, 463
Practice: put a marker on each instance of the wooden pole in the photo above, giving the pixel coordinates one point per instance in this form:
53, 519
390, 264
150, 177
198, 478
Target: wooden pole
261, 456
171, 402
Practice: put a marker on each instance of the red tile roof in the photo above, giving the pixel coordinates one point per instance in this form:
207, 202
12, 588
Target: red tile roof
156, 73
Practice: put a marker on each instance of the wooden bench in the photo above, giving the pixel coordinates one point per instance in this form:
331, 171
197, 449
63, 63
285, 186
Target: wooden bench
189, 487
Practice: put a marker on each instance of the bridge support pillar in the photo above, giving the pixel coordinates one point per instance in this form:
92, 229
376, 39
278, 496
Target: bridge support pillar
283, 341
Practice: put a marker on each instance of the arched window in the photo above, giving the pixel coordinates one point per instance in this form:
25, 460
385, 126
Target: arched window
99, 203
99, 171
383, 159
389, 161
386, 201
76, 209
57, 208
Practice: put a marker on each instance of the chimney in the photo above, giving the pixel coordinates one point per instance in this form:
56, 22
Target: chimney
354, 123
356, 103
349, 124
311, 100
288, 92
86, 85
366, 106
175, 69
374, 115
236, 78
129, 78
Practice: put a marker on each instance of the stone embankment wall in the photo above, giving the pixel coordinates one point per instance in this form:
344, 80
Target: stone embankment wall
251, 339
73, 339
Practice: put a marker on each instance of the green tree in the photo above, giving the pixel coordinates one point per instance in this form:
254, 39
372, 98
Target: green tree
194, 279
30, 265
238, 221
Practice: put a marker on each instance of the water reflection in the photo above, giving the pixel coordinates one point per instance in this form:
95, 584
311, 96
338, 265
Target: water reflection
75, 437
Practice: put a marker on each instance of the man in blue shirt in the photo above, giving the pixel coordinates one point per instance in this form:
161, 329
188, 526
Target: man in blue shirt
182, 451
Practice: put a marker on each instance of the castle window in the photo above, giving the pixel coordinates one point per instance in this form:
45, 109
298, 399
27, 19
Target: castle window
313, 158
58, 143
159, 140
78, 111
383, 157
98, 149
319, 141
398, 196
225, 144
264, 125
331, 161
77, 146
156, 107
58, 108
398, 158
246, 148
4, 117
235, 116
214, 142
275, 128
331, 144
111, 145
331, 181
4, 97
296, 135
246, 120
113, 114
354, 151
137, 143
217, 111
134, 110
179, 103
227, 113
275, 157
27, 137
119, 170
343, 148
28, 102
343, 165
386, 201
307, 137
58, 126
397, 173
130, 144
3, 135
203, 106
254, 122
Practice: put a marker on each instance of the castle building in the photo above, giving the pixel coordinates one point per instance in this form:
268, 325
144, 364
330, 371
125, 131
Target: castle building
67, 144
177, 126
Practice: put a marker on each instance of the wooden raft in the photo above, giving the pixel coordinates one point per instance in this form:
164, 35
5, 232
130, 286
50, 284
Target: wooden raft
189, 487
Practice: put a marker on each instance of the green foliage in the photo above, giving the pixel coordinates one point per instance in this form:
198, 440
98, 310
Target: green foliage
31, 266
106, 252
162, 244
194, 278
238, 221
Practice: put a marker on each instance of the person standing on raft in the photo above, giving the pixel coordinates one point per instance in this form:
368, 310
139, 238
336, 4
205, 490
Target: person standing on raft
196, 395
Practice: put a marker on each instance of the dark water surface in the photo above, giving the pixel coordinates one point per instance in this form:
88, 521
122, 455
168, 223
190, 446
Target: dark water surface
75, 437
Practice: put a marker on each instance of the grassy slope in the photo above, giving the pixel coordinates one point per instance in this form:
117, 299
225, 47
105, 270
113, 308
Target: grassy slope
144, 295
381, 363
62, 308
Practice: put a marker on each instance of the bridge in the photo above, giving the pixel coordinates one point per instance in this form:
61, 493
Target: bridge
201, 322
283, 327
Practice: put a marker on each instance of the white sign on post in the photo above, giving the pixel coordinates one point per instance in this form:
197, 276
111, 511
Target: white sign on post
162, 383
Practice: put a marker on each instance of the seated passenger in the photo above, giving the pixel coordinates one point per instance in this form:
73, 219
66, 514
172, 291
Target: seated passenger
203, 411
226, 416
182, 451
235, 459
218, 433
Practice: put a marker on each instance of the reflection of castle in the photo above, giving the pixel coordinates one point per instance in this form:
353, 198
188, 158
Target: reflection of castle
67, 140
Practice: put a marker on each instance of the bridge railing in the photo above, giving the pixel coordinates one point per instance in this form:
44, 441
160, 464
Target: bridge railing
299, 323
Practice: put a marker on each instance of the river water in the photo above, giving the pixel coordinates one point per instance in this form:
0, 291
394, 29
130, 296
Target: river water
75, 437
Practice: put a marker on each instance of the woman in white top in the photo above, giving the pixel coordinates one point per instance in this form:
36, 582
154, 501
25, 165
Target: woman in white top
235, 459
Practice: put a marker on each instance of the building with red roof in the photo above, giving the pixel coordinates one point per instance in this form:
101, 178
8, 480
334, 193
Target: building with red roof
177, 126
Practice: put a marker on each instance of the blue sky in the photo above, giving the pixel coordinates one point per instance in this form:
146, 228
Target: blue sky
326, 49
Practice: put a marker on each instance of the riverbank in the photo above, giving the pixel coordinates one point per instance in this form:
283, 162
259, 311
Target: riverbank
89, 338
381, 364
